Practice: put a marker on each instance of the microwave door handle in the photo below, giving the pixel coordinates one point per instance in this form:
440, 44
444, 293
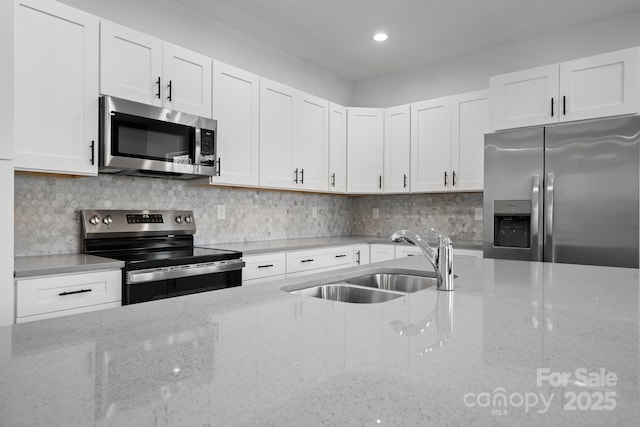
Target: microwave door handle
536, 243
548, 226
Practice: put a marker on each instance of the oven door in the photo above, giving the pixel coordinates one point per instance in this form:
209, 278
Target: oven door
160, 283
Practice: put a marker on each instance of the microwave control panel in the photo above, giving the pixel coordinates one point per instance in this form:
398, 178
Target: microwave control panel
207, 147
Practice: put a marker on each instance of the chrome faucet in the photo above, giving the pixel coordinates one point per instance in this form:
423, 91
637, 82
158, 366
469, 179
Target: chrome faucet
441, 258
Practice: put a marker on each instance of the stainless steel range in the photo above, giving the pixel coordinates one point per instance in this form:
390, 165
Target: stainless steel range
160, 258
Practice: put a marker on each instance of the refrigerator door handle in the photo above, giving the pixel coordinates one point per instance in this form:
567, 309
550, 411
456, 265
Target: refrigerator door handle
548, 226
535, 219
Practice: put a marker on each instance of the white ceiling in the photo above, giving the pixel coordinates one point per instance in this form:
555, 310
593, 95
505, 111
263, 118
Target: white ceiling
336, 34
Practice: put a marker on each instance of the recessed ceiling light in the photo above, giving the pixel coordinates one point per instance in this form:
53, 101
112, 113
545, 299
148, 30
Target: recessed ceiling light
380, 37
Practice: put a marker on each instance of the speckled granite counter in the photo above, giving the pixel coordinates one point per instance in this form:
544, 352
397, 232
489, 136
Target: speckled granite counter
490, 353
252, 248
25, 266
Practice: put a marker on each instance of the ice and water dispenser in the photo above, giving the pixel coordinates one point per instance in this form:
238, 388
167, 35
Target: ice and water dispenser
512, 223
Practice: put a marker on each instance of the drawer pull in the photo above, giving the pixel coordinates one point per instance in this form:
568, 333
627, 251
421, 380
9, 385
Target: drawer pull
81, 291
341, 256
307, 260
265, 266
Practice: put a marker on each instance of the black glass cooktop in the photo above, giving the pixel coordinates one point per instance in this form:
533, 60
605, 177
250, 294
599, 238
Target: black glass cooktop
173, 257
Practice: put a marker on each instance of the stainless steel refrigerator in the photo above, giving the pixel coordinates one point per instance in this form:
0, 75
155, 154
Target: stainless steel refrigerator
564, 193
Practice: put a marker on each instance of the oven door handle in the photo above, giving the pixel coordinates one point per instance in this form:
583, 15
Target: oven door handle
175, 272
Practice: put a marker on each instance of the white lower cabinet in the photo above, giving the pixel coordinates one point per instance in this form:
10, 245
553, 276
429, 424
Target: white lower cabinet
405, 251
361, 254
263, 267
471, 253
44, 297
317, 260
382, 252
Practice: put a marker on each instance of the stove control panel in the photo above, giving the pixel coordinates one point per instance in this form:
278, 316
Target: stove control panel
119, 223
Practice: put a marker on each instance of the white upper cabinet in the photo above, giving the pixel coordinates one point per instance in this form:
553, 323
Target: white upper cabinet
365, 149
397, 149
337, 148
313, 143
278, 135
525, 98
236, 107
599, 86
145, 69
56, 88
130, 64
596, 86
431, 145
294, 138
187, 79
469, 122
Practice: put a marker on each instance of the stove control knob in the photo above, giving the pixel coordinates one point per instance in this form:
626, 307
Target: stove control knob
179, 219
107, 220
188, 219
94, 220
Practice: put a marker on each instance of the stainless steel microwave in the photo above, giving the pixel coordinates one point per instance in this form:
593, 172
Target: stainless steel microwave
143, 140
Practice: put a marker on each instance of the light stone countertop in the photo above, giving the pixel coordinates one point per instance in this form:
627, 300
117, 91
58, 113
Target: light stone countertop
26, 266
265, 246
256, 355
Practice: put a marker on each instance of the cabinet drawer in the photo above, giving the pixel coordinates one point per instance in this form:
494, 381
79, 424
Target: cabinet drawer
405, 251
67, 292
260, 266
319, 258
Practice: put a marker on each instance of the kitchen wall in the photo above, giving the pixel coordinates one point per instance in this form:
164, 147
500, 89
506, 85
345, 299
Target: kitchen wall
471, 72
46, 220
175, 23
452, 214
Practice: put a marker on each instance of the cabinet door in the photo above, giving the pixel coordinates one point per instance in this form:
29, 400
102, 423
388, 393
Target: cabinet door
362, 254
599, 86
337, 148
278, 135
187, 80
365, 137
525, 98
313, 143
431, 145
130, 64
397, 149
56, 88
382, 252
236, 96
470, 121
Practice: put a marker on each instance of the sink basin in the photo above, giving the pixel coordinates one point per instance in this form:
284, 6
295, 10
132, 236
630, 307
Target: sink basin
345, 292
395, 282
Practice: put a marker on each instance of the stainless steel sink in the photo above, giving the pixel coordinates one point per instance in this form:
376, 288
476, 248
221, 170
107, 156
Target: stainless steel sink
345, 292
395, 282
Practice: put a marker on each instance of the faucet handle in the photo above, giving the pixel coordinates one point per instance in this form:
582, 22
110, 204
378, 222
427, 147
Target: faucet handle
444, 240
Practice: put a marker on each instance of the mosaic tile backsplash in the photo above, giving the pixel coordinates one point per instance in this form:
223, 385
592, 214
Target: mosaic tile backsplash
47, 221
452, 214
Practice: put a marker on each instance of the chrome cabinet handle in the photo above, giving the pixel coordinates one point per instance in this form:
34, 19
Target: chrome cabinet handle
548, 226
535, 218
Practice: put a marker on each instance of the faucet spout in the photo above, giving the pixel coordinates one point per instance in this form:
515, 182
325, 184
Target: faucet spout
441, 258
